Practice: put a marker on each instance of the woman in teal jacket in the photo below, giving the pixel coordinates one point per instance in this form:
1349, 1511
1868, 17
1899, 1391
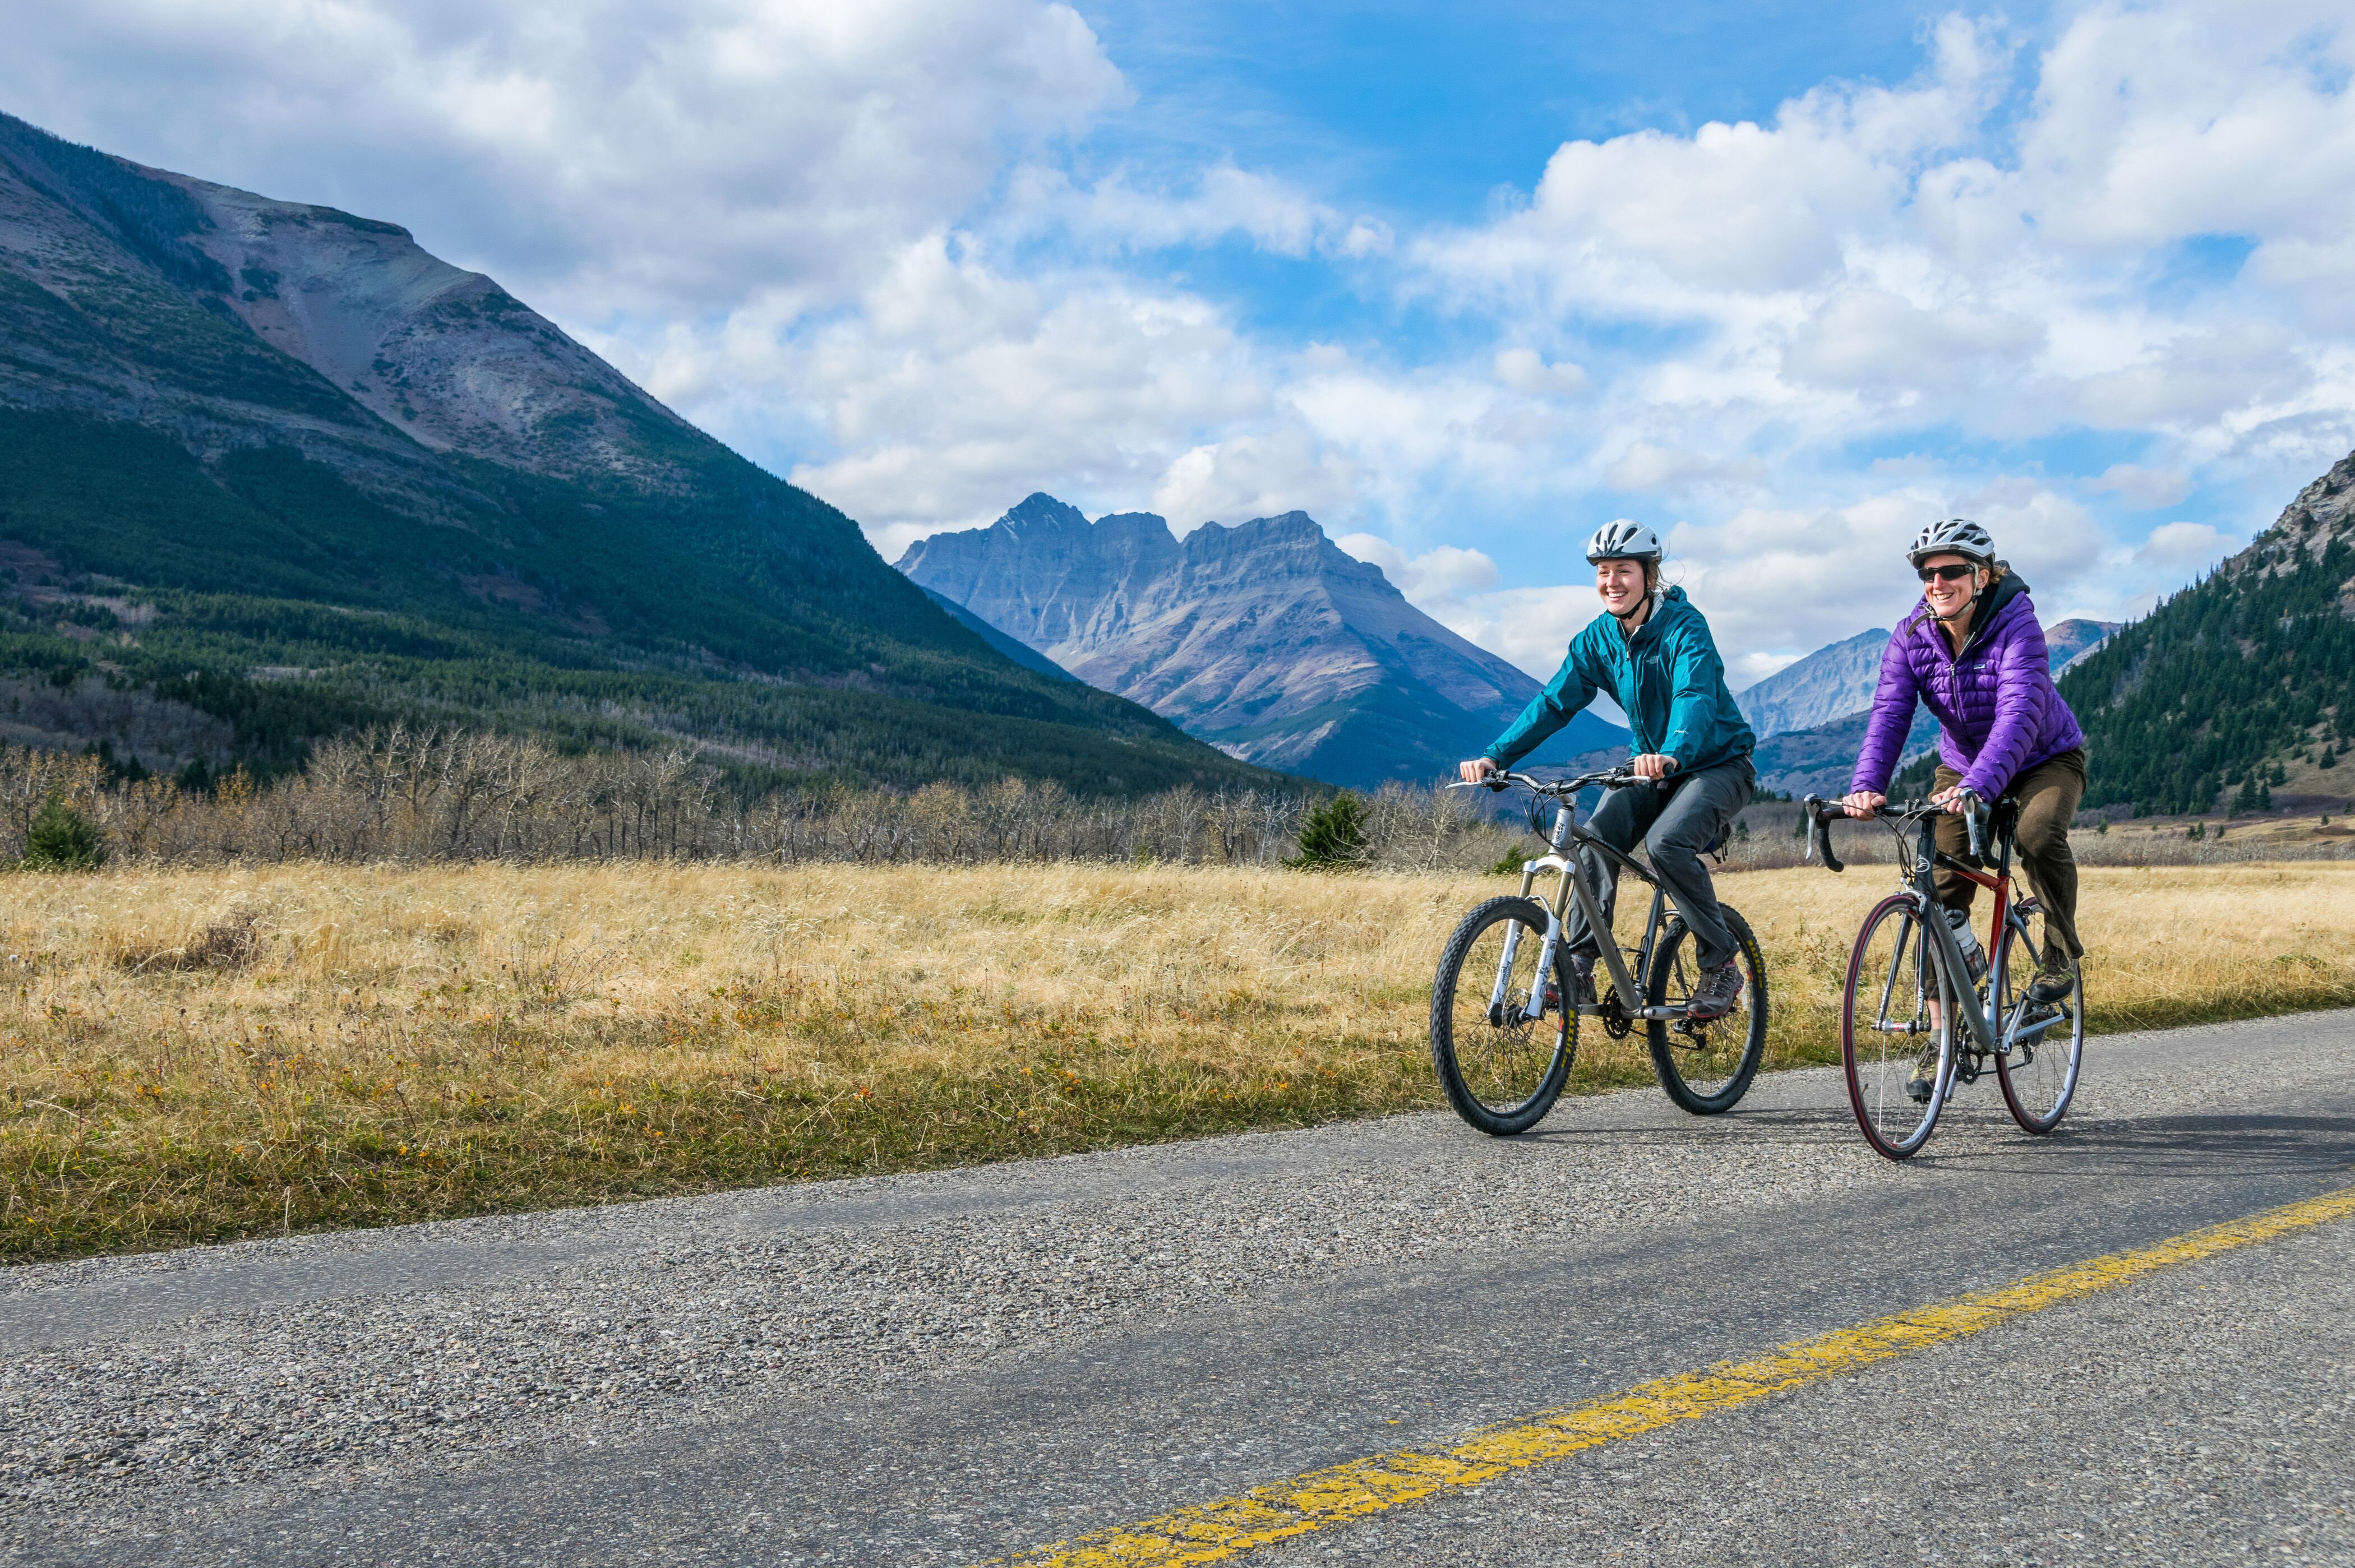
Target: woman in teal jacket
1652, 650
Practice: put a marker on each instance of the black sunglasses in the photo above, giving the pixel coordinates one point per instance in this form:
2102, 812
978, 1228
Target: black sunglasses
1947, 573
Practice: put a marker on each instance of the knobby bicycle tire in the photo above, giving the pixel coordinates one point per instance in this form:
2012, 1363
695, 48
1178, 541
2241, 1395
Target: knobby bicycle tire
1673, 1054
1481, 1062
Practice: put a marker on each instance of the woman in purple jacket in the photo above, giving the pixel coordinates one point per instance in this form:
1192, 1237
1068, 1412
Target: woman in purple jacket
1973, 655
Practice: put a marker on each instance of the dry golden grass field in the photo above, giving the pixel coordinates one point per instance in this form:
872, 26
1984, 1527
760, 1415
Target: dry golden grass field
204, 1054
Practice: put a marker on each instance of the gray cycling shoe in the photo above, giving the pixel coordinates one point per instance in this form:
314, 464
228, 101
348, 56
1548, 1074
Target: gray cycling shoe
1719, 989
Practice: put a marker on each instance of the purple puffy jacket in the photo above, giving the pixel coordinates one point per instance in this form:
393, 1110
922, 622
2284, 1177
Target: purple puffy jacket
1998, 712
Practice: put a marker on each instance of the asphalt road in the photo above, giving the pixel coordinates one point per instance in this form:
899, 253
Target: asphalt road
948, 1368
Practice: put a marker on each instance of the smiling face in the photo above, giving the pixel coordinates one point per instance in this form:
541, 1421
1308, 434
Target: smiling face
1948, 596
1621, 583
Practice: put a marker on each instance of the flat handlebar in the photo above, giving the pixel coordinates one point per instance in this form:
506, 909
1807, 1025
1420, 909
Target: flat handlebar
1609, 778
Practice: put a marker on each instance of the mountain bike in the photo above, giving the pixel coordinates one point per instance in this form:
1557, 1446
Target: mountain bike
1505, 1004
1910, 993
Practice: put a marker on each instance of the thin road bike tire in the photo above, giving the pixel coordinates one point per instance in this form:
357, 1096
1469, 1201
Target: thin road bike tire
1887, 1025
2039, 1077
1708, 1068
1502, 1074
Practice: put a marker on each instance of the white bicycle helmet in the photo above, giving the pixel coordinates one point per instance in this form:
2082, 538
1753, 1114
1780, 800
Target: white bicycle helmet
1624, 540
1954, 536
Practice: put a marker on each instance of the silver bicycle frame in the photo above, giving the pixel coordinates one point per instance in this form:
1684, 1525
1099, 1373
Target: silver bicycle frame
1562, 863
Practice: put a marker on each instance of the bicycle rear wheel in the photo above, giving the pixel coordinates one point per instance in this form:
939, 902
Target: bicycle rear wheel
2040, 1060
1706, 1068
1501, 1050
1889, 1026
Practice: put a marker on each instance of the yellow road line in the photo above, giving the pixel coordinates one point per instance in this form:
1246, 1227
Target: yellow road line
1214, 1531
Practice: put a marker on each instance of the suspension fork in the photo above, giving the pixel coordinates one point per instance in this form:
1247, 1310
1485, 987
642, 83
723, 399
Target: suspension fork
1559, 840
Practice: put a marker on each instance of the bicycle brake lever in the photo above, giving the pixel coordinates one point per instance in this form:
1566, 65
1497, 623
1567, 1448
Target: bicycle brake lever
1819, 834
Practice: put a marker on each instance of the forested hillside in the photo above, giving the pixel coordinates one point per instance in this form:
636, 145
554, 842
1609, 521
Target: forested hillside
2202, 703
271, 470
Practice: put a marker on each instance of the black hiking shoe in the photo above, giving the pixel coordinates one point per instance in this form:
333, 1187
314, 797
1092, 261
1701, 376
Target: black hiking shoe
1714, 998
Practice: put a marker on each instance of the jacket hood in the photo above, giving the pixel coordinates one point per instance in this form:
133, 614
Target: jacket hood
1669, 608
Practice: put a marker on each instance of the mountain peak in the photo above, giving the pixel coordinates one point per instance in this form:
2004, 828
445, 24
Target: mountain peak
444, 357
1041, 510
2322, 514
1263, 637
314, 455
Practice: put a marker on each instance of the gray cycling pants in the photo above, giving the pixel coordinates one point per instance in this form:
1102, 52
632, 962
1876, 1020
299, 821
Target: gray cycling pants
1675, 825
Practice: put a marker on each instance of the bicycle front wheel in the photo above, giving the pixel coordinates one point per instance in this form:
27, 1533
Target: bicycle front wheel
1706, 1068
2042, 1047
1897, 1022
1502, 1046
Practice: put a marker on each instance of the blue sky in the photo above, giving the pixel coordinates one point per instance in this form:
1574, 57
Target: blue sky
1463, 283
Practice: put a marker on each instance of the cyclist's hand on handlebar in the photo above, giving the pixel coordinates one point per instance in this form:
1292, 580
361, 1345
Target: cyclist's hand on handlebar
1478, 770
1653, 765
1957, 801
1864, 803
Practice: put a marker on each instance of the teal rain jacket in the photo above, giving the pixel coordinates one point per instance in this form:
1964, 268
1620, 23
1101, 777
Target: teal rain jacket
1668, 677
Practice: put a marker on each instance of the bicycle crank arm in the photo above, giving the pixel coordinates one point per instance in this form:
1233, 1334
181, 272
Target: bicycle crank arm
2029, 1033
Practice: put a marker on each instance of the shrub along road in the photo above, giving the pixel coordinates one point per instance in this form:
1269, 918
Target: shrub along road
947, 1368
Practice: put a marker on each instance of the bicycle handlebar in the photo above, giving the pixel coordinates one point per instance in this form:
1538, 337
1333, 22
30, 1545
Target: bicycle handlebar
1609, 778
1821, 814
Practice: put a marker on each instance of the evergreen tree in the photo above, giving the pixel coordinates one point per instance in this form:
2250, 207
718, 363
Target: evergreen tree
2195, 698
62, 839
1333, 837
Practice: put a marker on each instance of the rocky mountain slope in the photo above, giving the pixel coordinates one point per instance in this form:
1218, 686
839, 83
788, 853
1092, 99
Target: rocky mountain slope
2241, 683
1263, 638
1831, 683
275, 465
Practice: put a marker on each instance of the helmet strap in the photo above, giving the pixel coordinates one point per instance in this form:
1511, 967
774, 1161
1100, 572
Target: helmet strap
1633, 621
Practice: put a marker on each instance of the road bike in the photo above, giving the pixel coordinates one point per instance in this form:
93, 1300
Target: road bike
1911, 995
1505, 1004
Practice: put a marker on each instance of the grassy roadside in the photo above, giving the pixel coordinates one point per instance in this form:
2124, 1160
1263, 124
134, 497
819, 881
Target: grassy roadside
203, 1055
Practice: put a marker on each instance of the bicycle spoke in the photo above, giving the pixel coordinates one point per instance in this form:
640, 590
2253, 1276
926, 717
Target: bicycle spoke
1893, 1031
2044, 1045
1706, 1066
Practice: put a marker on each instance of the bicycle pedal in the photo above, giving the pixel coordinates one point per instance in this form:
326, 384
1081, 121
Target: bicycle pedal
2027, 907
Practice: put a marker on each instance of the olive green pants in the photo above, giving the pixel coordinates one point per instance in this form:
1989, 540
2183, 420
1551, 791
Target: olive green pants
2048, 795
